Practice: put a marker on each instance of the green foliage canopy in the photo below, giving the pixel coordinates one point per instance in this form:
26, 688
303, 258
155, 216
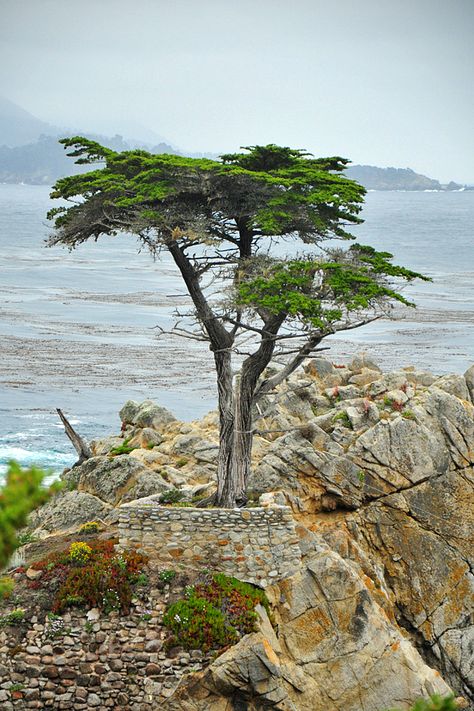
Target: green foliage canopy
272, 190
247, 200
21, 493
304, 288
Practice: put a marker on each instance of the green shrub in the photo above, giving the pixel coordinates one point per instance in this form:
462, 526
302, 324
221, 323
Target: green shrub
181, 462
166, 576
124, 448
15, 617
435, 703
409, 414
197, 624
89, 527
21, 493
214, 614
172, 496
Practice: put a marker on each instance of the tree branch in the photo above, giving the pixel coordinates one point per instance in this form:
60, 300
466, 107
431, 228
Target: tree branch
218, 335
182, 333
305, 350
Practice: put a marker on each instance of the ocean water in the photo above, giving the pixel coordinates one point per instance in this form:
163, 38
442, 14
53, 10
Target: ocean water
79, 330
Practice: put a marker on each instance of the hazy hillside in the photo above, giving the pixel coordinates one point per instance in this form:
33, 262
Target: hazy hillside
30, 153
374, 178
18, 126
43, 162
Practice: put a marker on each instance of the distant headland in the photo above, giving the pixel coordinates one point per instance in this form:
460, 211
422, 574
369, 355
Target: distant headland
374, 178
30, 153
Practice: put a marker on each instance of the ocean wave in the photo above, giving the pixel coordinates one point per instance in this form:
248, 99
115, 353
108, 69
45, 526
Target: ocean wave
21, 436
51, 460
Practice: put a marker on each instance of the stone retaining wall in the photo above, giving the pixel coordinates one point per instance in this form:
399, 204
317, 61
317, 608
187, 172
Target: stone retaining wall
257, 545
91, 662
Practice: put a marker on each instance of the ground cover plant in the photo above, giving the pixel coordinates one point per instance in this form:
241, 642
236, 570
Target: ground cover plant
15, 617
214, 614
124, 448
89, 527
88, 575
436, 703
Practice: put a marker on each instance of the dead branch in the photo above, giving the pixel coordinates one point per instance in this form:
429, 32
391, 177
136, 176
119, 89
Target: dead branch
81, 447
181, 332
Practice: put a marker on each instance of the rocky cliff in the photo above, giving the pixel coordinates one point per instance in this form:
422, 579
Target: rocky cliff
378, 471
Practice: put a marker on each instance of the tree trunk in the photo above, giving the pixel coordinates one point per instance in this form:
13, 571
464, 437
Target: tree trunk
221, 342
226, 419
237, 437
235, 406
243, 439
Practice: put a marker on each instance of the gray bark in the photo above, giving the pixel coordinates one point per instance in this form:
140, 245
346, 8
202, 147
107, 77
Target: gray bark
226, 420
81, 447
235, 402
235, 485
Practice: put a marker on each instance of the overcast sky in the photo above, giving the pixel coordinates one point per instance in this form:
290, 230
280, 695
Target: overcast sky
384, 82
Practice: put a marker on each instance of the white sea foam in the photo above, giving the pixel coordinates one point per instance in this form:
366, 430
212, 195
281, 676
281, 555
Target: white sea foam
51, 460
19, 453
21, 436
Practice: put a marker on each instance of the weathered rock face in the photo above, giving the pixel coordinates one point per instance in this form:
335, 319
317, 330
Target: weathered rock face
118, 480
336, 649
409, 480
67, 510
423, 537
146, 414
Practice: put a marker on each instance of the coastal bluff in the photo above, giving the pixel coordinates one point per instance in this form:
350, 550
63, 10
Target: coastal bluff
369, 477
